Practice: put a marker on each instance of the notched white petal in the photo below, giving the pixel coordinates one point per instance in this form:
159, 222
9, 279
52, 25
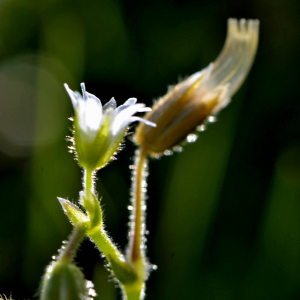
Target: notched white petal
121, 119
93, 113
129, 111
129, 102
144, 109
84, 95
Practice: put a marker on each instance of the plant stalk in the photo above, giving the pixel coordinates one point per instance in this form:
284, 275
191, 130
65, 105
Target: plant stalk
136, 252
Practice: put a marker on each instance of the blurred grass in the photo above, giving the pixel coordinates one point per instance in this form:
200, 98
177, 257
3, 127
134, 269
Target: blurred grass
223, 215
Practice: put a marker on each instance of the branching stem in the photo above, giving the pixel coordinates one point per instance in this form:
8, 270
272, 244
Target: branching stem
99, 235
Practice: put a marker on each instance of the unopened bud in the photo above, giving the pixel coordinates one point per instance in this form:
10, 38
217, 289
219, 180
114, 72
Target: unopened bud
63, 281
191, 102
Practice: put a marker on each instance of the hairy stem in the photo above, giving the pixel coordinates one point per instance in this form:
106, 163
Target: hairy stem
88, 183
99, 235
74, 241
136, 253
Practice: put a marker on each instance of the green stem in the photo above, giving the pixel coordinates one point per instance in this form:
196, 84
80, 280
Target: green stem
134, 294
99, 235
107, 247
136, 253
74, 241
130, 273
88, 183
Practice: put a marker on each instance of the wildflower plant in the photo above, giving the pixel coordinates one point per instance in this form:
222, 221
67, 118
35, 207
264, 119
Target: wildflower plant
97, 135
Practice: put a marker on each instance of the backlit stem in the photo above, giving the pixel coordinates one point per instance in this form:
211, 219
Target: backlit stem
88, 183
99, 235
74, 241
136, 253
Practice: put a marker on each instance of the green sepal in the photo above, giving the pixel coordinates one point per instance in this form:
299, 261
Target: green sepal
73, 212
93, 209
79, 145
97, 153
123, 271
91, 154
101, 144
63, 282
111, 149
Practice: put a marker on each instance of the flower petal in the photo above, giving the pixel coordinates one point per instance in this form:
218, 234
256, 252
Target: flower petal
81, 113
72, 95
93, 112
110, 104
129, 102
133, 119
120, 121
84, 95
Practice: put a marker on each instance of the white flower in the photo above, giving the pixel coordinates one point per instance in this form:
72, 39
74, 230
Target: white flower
191, 102
99, 129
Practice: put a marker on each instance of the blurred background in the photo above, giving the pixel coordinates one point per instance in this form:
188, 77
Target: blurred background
223, 215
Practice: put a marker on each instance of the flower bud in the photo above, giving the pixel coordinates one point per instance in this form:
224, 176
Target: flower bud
63, 281
203, 94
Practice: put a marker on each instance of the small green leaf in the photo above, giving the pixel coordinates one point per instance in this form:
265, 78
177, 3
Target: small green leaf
73, 212
93, 209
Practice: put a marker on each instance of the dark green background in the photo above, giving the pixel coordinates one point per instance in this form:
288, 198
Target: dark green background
224, 215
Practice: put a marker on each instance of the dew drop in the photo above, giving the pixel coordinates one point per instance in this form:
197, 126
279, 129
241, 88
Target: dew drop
144, 183
147, 232
62, 248
130, 207
211, 119
54, 257
92, 293
157, 156
154, 267
168, 152
90, 287
201, 128
191, 138
49, 268
177, 149
89, 284
131, 167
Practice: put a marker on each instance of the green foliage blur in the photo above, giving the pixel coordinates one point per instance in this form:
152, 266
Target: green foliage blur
223, 215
